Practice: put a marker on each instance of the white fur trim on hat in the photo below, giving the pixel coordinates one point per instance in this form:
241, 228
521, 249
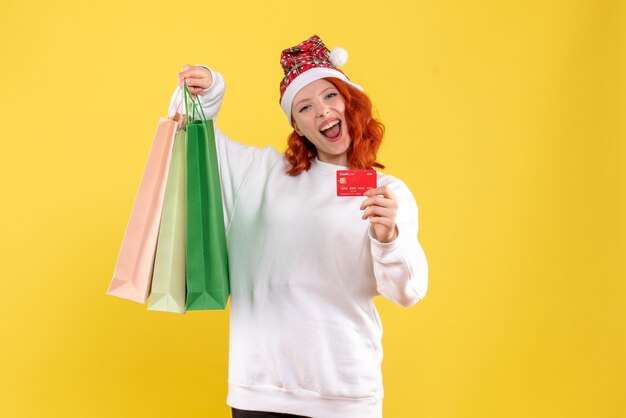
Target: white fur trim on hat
308, 77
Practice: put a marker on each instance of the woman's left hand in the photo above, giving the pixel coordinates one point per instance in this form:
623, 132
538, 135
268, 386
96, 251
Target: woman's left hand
381, 207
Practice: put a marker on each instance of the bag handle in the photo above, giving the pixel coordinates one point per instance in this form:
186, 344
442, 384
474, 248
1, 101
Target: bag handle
184, 92
191, 107
178, 101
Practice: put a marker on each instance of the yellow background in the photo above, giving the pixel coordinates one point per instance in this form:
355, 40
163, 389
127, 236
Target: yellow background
506, 120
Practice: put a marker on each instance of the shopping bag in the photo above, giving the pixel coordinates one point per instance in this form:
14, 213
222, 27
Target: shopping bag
133, 270
207, 261
168, 277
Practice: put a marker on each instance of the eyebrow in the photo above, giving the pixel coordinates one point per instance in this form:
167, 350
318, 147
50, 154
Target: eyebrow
306, 98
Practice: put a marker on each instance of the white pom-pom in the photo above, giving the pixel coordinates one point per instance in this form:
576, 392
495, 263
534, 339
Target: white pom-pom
338, 56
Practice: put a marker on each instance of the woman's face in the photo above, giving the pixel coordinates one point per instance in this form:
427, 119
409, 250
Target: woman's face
318, 114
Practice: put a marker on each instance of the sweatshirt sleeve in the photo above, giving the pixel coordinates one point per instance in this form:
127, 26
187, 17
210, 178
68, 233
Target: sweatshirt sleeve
400, 266
236, 160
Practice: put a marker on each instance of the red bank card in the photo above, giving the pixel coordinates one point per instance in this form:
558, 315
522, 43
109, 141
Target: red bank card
355, 182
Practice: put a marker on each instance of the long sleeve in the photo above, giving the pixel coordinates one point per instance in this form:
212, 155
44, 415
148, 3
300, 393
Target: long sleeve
236, 160
400, 266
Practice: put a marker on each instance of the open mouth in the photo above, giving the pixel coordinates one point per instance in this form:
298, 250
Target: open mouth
331, 130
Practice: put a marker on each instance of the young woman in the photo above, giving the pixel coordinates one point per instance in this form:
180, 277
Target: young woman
305, 263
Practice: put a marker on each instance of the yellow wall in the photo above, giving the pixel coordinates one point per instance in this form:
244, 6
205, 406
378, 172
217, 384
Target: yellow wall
506, 119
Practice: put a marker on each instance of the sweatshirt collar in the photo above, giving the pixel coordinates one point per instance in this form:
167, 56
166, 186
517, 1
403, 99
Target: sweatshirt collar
325, 168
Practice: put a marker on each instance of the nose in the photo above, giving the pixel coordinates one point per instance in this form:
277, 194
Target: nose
323, 111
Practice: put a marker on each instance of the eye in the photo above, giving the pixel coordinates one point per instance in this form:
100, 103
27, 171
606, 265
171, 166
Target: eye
303, 108
329, 95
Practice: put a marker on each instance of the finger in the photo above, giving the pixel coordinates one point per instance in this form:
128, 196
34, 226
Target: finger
196, 83
195, 72
379, 201
194, 90
384, 191
379, 220
378, 211
196, 76
185, 68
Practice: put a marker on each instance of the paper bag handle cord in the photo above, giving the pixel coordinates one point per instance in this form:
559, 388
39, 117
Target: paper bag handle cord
177, 99
193, 105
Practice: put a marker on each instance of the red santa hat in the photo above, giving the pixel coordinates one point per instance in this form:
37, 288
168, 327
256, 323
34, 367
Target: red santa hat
307, 62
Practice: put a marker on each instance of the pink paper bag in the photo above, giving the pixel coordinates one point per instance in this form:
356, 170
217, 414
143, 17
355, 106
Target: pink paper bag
133, 270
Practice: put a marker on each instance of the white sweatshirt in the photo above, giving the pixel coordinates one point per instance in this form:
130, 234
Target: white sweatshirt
305, 336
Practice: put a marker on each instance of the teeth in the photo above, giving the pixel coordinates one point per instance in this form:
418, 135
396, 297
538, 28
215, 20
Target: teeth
329, 125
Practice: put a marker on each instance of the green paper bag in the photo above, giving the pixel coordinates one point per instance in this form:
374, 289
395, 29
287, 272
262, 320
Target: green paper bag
207, 261
168, 277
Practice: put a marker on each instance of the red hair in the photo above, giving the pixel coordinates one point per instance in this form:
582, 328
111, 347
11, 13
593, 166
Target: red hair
366, 134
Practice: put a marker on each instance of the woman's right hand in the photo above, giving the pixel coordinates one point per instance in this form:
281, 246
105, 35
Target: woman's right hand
197, 79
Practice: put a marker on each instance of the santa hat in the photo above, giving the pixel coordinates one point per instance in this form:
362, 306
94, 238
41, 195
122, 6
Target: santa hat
307, 62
